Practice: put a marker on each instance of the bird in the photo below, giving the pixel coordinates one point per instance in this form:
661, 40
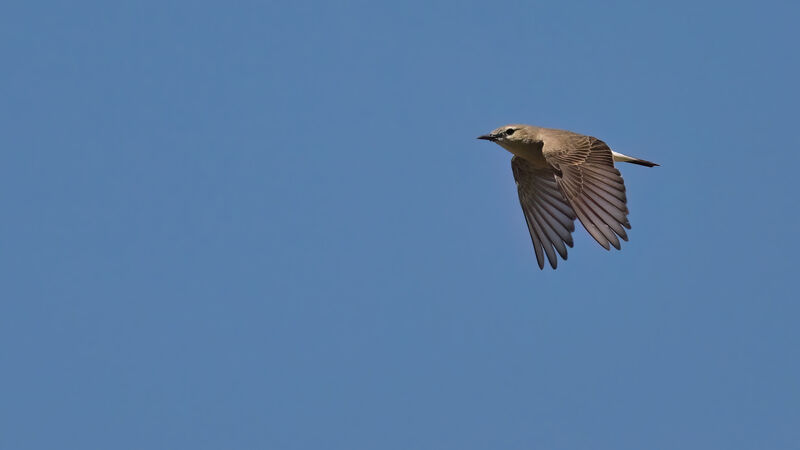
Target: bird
562, 176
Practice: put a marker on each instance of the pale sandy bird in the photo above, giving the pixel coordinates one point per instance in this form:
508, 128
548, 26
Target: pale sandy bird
562, 176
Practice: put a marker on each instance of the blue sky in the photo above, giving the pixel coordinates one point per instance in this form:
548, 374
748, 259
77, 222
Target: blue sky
269, 225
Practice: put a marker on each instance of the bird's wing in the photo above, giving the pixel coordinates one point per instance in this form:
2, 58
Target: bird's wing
593, 187
549, 217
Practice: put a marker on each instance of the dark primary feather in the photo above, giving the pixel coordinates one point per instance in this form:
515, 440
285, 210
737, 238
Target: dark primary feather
591, 184
549, 217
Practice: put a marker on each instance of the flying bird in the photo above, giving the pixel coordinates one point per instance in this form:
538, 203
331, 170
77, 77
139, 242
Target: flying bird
562, 176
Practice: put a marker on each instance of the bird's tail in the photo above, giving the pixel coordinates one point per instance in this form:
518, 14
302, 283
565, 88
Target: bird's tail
630, 159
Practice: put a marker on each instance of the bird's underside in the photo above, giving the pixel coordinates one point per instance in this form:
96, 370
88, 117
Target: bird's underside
575, 179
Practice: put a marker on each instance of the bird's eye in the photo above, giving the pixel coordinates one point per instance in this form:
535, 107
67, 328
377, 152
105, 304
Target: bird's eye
510, 131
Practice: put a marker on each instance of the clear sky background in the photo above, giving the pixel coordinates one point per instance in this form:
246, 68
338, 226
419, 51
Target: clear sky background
269, 225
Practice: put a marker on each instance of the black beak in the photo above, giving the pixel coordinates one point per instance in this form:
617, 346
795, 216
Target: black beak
487, 137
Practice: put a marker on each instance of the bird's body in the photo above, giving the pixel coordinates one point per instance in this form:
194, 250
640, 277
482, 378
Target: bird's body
562, 176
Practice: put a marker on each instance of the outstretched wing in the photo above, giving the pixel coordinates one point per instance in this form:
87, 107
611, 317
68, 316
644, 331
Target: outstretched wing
550, 218
593, 187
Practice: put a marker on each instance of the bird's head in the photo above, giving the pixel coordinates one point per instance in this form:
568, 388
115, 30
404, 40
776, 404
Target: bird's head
512, 134
509, 136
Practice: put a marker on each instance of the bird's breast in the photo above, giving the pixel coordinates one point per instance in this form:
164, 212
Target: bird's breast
530, 152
